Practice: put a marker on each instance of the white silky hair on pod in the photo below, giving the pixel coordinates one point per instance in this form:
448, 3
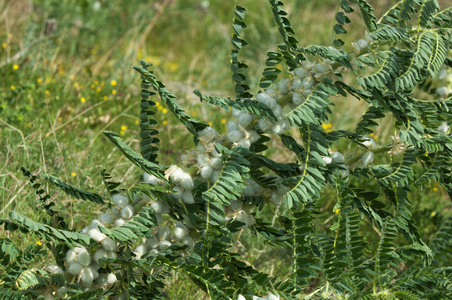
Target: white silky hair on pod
94, 266
119, 222
232, 126
177, 194
202, 158
338, 158
187, 197
216, 163
177, 175
241, 297
236, 112
61, 292
164, 233
152, 242
368, 158
112, 254
108, 244
308, 82
106, 218
264, 124
96, 224
188, 241
101, 279
120, 200
272, 297
153, 251
282, 85
297, 99
53, 269
254, 136
244, 143
75, 268
245, 119
86, 276
179, 233
96, 235
140, 250
159, 218
278, 128
93, 269
84, 258
206, 172
327, 159
370, 143
111, 278
163, 245
296, 83
71, 256
215, 175
100, 253
127, 212
277, 111
234, 136
187, 182
302, 73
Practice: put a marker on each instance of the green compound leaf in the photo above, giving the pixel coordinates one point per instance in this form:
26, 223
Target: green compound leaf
46, 232
315, 105
32, 277
193, 125
427, 11
270, 73
247, 105
443, 18
138, 160
73, 191
330, 53
389, 33
367, 14
399, 173
401, 12
139, 226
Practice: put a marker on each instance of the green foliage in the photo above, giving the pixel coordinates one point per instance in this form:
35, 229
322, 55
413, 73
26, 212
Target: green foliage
372, 250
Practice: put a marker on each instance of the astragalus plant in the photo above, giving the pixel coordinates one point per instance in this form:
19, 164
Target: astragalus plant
185, 217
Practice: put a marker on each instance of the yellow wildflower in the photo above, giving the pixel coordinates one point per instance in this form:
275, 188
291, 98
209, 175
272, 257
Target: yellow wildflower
96, 82
337, 211
93, 86
39, 243
113, 92
74, 174
137, 121
83, 100
123, 127
113, 83
16, 67
105, 98
59, 119
327, 127
98, 90
223, 121
47, 92
164, 110
13, 87
165, 122
4, 45
210, 123
39, 80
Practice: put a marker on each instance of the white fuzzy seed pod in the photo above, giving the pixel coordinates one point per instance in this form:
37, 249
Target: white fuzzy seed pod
53, 269
202, 159
119, 222
71, 256
140, 250
86, 276
272, 297
96, 235
206, 172
337, 158
234, 136
327, 159
153, 251
106, 218
61, 292
188, 241
244, 143
120, 200
215, 176
187, 182
301, 73
264, 124
163, 245
177, 194
296, 83
102, 279
282, 85
345, 171
370, 143
99, 254
152, 242
108, 244
111, 278
245, 119
151, 179
127, 212
94, 266
179, 233
297, 99
83, 258
96, 224
236, 112
159, 218
276, 198
308, 82
232, 126
187, 197
164, 233
368, 158
277, 111
254, 136
74, 269
216, 163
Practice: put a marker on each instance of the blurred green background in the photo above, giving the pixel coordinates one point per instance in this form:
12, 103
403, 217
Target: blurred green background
66, 75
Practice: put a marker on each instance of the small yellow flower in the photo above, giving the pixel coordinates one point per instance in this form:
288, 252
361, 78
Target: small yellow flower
93, 86
59, 119
102, 84
74, 174
76, 85
4, 45
39, 243
113, 92
164, 110
13, 87
71, 77
48, 80
122, 133
39, 80
158, 104
123, 128
47, 92
93, 51
223, 121
165, 122
433, 213
105, 98
83, 100
327, 127
137, 121
96, 82
10, 35
16, 67
337, 211
435, 189
210, 123
98, 90
113, 83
